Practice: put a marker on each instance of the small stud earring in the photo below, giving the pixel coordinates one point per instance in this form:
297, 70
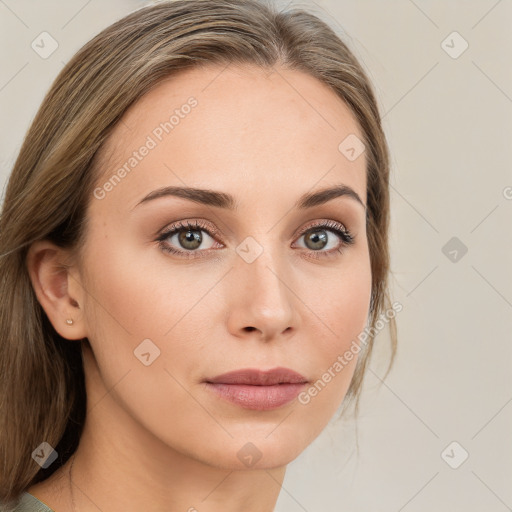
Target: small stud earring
69, 321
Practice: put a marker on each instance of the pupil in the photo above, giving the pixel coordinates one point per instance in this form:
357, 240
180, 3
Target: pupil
193, 238
319, 240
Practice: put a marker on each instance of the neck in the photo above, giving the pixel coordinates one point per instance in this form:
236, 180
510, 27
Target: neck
108, 475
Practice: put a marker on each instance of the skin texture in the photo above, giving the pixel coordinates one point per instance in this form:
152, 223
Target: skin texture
155, 438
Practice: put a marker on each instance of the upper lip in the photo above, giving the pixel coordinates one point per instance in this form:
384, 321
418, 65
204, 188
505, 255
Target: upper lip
257, 377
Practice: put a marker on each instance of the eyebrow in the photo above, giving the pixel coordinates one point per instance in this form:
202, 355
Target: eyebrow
227, 201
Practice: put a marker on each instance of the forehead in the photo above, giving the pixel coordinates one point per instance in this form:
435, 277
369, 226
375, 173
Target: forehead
213, 125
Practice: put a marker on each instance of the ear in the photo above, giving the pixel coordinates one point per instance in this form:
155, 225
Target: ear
57, 287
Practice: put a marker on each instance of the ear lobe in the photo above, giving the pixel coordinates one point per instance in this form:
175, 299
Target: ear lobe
50, 279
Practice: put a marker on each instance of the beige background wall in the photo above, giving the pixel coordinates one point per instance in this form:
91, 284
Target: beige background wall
448, 118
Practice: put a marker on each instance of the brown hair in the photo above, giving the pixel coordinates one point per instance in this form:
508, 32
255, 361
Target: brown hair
42, 391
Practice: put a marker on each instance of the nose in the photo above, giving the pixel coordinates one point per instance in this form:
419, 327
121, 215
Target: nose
262, 301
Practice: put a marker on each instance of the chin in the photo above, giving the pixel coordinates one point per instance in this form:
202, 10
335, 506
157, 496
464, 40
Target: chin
258, 449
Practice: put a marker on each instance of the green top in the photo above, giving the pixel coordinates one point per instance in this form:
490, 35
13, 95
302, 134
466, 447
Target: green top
29, 503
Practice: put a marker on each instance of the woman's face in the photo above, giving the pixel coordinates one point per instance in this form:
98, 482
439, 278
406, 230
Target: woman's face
253, 284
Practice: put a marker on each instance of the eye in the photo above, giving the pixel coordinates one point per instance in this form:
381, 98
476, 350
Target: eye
188, 237
328, 234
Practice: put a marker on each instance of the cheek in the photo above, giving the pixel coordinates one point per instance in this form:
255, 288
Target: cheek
135, 294
127, 302
349, 303
341, 310
137, 314
129, 291
343, 302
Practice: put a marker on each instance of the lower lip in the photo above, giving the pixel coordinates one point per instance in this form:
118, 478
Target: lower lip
260, 398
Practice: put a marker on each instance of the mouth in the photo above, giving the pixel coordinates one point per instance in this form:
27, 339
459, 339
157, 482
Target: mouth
257, 389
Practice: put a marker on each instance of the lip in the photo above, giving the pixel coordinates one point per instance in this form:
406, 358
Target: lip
255, 377
258, 389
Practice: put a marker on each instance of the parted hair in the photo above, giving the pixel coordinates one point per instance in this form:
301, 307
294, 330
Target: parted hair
42, 390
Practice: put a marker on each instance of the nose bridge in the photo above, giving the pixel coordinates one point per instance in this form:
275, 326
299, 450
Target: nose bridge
267, 271
263, 299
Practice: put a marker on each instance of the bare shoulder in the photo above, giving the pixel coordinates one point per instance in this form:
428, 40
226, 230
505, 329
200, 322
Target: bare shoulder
54, 491
27, 503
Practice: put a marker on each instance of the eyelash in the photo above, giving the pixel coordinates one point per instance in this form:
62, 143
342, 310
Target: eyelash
347, 238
